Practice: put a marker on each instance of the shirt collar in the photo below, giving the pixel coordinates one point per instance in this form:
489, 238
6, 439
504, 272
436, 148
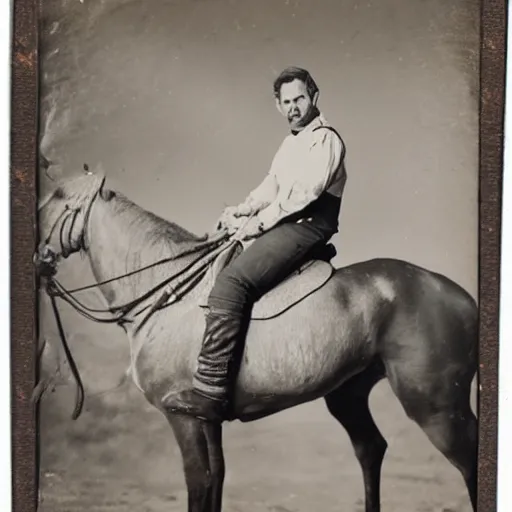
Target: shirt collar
319, 120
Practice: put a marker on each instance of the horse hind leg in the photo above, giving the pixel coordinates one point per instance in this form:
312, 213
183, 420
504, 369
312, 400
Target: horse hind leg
200, 444
454, 433
349, 404
440, 405
452, 429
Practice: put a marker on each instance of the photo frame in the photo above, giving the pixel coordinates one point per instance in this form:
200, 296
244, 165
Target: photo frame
26, 160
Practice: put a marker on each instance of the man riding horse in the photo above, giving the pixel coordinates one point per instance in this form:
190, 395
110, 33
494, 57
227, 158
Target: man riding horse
293, 211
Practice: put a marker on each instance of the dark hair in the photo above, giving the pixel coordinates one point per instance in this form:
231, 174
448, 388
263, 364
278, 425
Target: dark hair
293, 73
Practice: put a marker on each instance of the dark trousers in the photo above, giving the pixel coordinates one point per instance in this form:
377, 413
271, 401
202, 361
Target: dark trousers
267, 261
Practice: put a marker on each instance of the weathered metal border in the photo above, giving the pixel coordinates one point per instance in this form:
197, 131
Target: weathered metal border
23, 210
24, 129
492, 79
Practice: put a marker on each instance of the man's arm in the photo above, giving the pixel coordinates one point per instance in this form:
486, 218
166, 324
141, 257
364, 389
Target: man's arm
319, 167
260, 197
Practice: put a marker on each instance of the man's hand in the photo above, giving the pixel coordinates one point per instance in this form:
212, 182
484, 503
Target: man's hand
231, 216
252, 229
242, 210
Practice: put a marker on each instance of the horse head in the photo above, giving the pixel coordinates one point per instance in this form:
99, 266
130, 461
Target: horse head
64, 215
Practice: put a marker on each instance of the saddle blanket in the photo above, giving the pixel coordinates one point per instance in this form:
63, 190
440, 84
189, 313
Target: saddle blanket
310, 277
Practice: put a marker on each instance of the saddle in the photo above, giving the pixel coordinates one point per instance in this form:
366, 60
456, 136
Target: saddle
311, 275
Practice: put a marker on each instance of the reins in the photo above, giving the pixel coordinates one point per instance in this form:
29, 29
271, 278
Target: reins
118, 314
80, 393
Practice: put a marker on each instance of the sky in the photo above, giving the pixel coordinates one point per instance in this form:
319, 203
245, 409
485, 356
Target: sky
173, 99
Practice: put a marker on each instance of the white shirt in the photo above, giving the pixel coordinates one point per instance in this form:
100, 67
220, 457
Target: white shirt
306, 165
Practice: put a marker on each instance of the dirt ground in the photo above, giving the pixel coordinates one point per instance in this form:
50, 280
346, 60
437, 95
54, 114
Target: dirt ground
139, 89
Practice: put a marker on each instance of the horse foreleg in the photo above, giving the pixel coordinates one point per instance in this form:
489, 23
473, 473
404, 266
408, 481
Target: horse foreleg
203, 462
213, 433
349, 405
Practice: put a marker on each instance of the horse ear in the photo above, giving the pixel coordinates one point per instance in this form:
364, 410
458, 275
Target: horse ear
101, 190
104, 193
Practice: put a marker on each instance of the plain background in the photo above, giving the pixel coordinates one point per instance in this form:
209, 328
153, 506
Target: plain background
356, 253
173, 100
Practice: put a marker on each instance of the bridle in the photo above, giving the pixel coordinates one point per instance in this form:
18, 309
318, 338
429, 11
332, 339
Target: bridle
46, 260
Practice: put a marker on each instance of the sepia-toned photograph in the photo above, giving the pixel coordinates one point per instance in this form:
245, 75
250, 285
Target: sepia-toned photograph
258, 255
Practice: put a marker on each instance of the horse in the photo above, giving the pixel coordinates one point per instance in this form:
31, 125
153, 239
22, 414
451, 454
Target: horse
376, 319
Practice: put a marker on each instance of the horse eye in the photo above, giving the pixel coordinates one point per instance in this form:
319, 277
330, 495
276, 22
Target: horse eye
107, 195
59, 193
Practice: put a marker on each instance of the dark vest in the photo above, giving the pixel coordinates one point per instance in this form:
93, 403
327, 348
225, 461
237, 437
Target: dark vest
325, 210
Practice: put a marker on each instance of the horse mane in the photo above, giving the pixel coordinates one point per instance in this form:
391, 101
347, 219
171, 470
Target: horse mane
150, 230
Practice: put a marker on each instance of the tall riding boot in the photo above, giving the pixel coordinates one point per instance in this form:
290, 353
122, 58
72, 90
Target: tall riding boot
209, 397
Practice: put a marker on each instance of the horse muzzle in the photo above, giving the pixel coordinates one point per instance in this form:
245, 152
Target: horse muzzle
45, 261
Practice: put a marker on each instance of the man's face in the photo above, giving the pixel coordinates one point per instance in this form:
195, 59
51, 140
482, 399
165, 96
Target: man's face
295, 103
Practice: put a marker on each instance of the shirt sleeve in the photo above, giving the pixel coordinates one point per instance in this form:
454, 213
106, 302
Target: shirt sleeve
263, 195
316, 174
